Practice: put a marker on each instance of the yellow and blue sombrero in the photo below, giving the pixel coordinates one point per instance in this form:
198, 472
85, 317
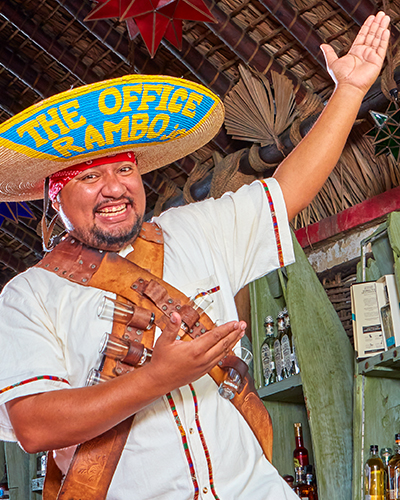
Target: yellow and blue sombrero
160, 118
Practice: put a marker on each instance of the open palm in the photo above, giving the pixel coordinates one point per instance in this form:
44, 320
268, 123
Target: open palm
361, 65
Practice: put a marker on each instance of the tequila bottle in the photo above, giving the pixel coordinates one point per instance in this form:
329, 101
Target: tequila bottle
285, 346
393, 471
279, 367
294, 364
300, 453
386, 455
299, 480
374, 476
267, 352
308, 490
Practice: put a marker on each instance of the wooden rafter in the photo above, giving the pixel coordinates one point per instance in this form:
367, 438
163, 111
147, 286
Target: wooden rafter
23, 236
9, 260
300, 29
359, 11
247, 49
48, 44
198, 65
26, 73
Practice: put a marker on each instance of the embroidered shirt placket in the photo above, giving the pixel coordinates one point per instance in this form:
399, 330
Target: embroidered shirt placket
196, 442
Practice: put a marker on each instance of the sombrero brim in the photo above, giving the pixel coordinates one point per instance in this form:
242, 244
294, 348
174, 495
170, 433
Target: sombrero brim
160, 118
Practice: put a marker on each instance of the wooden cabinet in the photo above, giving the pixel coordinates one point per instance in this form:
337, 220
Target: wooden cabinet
326, 360
376, 409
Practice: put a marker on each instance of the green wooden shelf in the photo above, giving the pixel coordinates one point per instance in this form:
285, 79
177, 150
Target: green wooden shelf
384, 365
289, 390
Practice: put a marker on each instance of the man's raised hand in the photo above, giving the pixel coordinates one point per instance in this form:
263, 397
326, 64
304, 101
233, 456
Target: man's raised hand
361, 65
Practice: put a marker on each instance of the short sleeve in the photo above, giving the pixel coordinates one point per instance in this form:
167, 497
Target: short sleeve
246, 232
32, 355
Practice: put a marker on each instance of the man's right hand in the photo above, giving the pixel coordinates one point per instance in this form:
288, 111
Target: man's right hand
62, 418
176, 363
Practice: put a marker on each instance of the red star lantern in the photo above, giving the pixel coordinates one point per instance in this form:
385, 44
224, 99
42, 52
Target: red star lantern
153, 19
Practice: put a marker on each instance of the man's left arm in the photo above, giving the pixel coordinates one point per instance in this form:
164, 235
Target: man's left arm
302, 174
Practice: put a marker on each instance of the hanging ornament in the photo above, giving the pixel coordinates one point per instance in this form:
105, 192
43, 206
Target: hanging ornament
153, 19
386, 133
13, 210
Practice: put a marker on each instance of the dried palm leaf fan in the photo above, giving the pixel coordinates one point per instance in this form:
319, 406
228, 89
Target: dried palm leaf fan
255, 112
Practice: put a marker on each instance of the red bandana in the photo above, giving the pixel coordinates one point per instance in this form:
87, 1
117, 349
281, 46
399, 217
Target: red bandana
58, 180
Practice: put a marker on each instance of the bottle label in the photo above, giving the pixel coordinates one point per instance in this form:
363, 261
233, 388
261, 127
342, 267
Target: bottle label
266, 359
296, 463
286, 353
278, 359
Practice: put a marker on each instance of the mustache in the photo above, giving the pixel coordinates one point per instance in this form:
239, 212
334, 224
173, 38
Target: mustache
127, 200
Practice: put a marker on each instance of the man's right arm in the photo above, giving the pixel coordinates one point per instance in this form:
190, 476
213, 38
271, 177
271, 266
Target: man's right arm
58, 419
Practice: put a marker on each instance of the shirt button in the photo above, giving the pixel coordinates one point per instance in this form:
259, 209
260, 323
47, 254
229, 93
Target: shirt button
191, 430
205, 490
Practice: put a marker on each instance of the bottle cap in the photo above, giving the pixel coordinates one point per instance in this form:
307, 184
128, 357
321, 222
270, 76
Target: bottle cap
268, 319
280, 315
397, 437
374, 448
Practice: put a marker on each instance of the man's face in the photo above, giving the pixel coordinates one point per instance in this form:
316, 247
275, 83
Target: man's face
103, 206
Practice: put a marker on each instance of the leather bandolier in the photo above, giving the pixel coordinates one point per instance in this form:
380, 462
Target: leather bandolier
138, 279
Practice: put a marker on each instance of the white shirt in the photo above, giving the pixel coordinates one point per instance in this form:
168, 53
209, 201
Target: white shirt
50, 329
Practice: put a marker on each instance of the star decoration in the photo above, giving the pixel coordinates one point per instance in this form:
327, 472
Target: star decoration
386, 133
153, 19
13, 210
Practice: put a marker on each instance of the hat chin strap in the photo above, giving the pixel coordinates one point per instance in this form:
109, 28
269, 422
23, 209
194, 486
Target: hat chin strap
48, 241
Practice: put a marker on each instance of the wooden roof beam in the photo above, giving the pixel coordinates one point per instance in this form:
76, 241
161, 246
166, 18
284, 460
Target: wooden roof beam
247, 49
9, 260
20, 234
24, 72
201, 67
300, 29
359, 11
62, 55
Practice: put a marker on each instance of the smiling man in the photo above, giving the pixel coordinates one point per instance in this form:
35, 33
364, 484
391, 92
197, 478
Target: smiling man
103, 205
185, 441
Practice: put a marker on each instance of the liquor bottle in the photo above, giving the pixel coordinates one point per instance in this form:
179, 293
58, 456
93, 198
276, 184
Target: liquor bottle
285, 346
308, 490
299, 479
300, 453
278, 359
386, 454
267, 352
294, 364
290, 480
394, 472
374, 476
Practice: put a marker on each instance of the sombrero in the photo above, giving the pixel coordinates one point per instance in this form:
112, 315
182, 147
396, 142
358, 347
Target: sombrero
160, 118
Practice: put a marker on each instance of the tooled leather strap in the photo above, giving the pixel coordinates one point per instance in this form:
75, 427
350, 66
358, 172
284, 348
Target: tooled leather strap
124, 278
94, 462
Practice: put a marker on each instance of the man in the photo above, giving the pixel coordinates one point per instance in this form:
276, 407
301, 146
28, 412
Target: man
190, 443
